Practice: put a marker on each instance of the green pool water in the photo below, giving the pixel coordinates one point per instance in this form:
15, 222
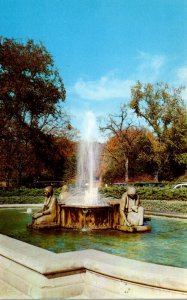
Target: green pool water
166, 244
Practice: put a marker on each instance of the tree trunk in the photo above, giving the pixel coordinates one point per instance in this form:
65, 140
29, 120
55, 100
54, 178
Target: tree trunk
126, 169
8, 179
19, 178
156, 176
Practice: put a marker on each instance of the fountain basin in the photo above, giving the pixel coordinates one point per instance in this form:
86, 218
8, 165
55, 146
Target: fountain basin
86, 274
89, 217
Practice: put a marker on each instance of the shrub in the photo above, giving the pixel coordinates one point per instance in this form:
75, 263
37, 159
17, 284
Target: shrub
21, 192
148, 193
21, 200
165, 206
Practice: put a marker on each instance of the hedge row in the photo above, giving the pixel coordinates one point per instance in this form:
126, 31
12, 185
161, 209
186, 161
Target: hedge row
21, 192
155, 199
21, 199
25, 195
147, 193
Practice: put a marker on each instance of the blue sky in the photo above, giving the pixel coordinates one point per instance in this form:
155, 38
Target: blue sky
102, 47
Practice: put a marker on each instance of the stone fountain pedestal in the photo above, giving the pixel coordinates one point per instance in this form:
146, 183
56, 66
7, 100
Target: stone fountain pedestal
93, 217
89, 217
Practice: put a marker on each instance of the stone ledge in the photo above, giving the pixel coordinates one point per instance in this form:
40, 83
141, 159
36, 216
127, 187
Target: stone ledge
9, 292
91, 285
166, 214
48, 264
20, 205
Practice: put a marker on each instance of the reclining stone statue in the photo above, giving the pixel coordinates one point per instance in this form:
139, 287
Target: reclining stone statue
131, 213
49, 215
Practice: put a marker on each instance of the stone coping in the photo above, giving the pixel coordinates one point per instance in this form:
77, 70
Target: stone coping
166, 214
47, 263
20, 205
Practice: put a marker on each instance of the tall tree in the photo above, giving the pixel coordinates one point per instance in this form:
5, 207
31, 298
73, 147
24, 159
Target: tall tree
140, 157
31, 97
163, 109
124, 135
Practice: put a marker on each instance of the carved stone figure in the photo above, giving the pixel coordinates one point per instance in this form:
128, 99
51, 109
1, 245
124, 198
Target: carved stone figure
64, 195
131, 213
49, 214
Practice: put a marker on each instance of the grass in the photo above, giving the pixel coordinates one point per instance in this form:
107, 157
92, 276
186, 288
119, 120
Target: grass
165, 206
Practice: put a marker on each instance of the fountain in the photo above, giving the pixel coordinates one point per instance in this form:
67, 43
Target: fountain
83, 208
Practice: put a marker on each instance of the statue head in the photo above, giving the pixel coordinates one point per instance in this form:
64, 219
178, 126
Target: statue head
64, 188
131, 191
48, 191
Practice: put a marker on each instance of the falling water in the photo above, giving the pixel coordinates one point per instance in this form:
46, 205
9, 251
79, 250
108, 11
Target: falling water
88, 161
86, 191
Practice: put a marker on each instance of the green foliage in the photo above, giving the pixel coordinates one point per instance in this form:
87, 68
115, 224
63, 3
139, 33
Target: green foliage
29, 81
158, 104
165, 206
164, 111
24, 196
163, 194
31, 113
22, 192
21, 199
111, 191
147, 193
154, 199
157, 199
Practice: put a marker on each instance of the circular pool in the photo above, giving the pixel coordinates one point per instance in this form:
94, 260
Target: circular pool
165, 244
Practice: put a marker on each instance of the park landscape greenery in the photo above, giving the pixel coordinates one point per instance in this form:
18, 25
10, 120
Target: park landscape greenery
154, 199
158, 151
38, 142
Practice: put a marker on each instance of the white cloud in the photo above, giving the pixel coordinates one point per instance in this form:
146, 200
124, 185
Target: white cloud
150, 66
111, 86
107, 87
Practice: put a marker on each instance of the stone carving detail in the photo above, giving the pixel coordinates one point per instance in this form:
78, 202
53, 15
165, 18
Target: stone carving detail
131, 212
49, 215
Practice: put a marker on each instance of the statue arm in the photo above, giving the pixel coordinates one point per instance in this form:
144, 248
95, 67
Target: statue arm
52, 207
125, 219
39, 211
122, 210
38, 214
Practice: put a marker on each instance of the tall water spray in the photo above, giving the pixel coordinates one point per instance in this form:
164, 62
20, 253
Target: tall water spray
88, 161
